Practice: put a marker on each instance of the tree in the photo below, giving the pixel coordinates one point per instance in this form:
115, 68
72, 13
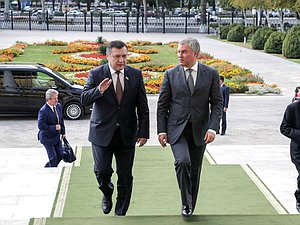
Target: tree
203, 12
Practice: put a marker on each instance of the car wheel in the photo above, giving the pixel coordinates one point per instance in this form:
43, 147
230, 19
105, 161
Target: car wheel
73, 111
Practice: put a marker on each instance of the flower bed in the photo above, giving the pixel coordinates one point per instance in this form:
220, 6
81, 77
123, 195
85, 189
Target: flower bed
74, 47
85, 57
7, 55
94, 58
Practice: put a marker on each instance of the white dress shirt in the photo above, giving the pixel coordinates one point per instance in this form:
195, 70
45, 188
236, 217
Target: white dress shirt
194, 72
114, 77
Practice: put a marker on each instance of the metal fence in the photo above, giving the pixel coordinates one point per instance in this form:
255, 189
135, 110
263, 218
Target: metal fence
102, 23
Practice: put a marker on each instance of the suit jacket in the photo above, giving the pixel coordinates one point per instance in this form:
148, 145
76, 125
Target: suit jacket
132, 114
176, 105
290, 125
225, 93
47, 125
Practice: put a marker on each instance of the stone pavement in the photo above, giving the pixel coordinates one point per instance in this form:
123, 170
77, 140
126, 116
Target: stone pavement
28, 190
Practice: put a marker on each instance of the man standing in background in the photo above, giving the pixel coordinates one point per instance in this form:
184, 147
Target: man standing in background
225, 93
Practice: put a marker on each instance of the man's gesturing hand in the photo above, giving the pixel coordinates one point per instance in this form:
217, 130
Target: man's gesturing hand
104, 85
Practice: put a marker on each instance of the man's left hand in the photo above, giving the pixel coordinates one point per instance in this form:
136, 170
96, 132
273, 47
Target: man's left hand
141, 141
209, 137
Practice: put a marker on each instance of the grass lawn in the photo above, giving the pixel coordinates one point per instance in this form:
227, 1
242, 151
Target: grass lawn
43, 54
39, 54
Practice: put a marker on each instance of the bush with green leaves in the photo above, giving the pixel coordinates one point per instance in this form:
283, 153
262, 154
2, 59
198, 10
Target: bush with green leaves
102, 49
274, 42
261, 89
225, 29
100, 40
260, 37
249, 30
236, 34
291, 43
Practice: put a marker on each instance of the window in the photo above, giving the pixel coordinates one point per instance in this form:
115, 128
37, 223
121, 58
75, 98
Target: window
43, 80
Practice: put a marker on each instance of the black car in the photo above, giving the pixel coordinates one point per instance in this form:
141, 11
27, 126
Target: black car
23, 88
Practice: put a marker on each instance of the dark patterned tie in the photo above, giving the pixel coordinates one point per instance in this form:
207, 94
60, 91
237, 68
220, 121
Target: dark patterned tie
190, 80
56, 115
119, 90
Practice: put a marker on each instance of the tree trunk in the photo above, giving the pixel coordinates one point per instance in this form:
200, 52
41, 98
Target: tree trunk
6, 10
157, 10
203, 12
145, 10
281, 20
245, 17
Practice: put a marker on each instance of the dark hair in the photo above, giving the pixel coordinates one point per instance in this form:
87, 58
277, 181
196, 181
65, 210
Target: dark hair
115, 44
222, 78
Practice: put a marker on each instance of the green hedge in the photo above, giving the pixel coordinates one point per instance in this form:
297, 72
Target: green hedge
274, 42
291, 43
225, 29
260, 37
236, 34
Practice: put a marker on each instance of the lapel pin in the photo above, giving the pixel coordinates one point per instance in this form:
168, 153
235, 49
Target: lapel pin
127, 78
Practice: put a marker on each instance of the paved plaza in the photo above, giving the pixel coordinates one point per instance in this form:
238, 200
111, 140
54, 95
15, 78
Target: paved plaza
253, 139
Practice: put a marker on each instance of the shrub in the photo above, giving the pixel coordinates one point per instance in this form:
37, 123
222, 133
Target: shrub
236, 34
224, 31
291, 43
102, 49
246, 79
100, 40
262, 89
249, 30
260, 37
274, 42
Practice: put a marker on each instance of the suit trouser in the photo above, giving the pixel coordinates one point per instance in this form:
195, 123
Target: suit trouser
188, 163
223, 123
295, 156
103, 170
55, 154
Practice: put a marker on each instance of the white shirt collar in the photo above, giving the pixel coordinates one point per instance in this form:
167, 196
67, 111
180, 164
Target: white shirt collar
112, 71
51, 107
194, 67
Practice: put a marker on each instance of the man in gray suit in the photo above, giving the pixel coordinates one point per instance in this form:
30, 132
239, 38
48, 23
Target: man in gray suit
189, 109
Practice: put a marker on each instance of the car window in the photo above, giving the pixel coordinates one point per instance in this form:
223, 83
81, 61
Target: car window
22, 78
7, 81
43, 80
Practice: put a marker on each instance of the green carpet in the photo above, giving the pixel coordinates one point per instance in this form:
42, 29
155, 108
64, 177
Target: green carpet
227, 195
224, 189
178, 220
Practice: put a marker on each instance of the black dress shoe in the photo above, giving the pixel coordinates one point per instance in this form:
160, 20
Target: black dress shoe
222, 133
186, 211
106, 204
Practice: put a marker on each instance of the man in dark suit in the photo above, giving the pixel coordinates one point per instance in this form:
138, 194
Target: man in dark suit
51, 128
120, 118
188, 115
225, 93
290, 127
